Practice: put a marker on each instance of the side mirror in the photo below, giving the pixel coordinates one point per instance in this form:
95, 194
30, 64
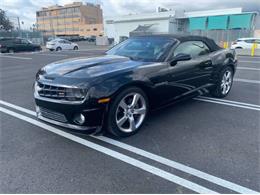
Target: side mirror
180, 57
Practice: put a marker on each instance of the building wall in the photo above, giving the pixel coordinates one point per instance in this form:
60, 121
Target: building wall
118, 29
177, 22
72, 19
91, 30
115, 27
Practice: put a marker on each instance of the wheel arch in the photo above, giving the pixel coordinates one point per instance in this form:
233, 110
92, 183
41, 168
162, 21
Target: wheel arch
145, 87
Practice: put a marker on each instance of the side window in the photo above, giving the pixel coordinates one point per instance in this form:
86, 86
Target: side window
17, 41
250, 41
257, 41
24, 41
67, 42
194, 48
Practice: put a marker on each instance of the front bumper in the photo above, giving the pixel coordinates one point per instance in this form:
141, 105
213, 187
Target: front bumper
3, 50
63, 115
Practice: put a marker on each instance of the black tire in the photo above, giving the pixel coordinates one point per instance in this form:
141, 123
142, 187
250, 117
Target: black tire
11, 50
76, 48
37, 49
238, 48
112, 126
58, 49
51, 49
218, 89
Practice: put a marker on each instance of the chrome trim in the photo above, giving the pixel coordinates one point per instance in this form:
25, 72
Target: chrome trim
50, 114
66, 125
37, 96
59, 101
58, 85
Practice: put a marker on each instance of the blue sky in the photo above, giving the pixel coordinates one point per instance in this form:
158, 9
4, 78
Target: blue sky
26, 9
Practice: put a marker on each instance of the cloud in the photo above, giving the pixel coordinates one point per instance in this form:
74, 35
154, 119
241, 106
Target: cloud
140, 6
26, 9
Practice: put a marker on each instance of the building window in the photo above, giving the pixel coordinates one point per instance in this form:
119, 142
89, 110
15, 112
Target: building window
95, 29
76, 9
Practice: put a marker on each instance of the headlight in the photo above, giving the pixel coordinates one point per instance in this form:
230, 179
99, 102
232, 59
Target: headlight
75, 94
79, 93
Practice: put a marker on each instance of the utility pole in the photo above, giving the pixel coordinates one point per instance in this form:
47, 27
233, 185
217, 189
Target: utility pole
19, 25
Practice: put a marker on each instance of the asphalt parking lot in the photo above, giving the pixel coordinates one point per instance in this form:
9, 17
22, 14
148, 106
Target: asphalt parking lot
203, 145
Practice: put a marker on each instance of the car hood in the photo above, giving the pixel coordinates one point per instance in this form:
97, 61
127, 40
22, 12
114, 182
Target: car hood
89, 67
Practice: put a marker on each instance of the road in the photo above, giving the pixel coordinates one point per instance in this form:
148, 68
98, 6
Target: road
202, 145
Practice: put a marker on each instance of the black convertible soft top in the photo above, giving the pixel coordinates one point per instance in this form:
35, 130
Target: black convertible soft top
182, 38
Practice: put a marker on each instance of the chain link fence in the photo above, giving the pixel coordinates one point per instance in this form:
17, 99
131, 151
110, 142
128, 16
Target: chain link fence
33, 36
222, 36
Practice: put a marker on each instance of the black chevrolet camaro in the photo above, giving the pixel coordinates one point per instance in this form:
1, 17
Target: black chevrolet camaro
114, 92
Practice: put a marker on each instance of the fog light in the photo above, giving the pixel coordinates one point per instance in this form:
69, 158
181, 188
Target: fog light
79, 119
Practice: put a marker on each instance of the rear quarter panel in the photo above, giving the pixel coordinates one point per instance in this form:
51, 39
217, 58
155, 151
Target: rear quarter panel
221, 59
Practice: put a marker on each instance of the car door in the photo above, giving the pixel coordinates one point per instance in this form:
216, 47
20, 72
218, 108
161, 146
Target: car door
186, 77
25, 44
249, 43
61, 44
18, 45
67, 45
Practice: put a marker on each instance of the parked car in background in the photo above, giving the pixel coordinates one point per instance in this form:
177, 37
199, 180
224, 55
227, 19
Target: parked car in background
90, 39
117, 90
245, 43
61, 44
76, 38
17, 45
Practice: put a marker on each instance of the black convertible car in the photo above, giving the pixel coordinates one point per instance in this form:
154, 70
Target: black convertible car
117, 90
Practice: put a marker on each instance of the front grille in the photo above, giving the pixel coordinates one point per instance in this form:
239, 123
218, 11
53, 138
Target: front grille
52, 115
60, 93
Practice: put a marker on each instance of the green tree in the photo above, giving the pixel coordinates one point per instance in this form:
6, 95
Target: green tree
5, 23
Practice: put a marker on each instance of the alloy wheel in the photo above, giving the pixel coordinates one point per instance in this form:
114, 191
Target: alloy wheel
131, 112
226, 82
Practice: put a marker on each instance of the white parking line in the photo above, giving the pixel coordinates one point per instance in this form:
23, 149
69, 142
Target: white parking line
251, 57
247, 68
48, 54
114, 154
246, 61
247, 81
162, 160
27, 111
230, 101
97, 49
213, 179
15, 57
227, 104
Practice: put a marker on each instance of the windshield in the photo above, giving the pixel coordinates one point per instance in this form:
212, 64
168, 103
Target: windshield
150, 49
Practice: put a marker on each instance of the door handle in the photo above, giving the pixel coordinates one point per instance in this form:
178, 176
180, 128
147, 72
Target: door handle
205, 64
208, 62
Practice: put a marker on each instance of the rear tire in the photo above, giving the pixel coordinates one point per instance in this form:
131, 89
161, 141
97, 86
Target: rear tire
58, 49
127, 112
76, 48
37, 49
224, 83
10, 50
